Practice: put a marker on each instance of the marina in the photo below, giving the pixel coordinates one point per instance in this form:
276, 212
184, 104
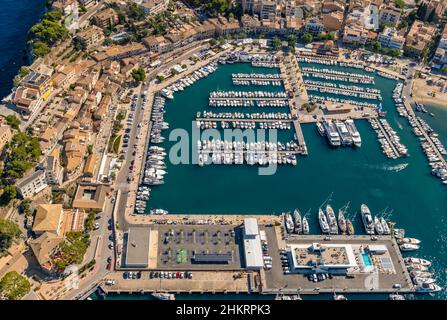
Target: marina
246, 204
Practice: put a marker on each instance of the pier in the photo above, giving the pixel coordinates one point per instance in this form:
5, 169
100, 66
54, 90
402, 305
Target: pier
300, 138
387, 137
224, 98
244, 120
425, 134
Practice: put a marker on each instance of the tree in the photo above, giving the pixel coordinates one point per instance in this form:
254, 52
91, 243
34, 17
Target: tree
400, 4
307, 38
40, 49
13, 286
292, 42
444, 69
9, 194
139, 74
377, 46
13, 121
8, 232
277, 44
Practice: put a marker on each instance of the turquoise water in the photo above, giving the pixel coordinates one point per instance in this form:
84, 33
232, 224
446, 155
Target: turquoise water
403, 186
366, 260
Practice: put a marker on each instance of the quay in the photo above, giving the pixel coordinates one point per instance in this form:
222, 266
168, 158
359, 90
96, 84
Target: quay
257, 79
346, 78
171, 247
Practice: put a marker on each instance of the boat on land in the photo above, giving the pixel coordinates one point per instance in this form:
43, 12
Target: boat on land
297, 221
331, 219
323, 221
368, 222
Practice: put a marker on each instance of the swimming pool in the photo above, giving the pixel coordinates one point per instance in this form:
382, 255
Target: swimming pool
118, 36
366, 260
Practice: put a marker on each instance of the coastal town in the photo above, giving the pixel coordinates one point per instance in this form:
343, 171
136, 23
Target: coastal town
84, 145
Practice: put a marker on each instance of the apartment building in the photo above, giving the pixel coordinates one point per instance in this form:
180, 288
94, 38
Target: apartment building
106, 18
152, 7
90, 37
389, 14
418, 38
390, 38
33, 184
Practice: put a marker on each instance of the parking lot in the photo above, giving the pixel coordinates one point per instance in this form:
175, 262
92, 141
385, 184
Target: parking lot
179, 247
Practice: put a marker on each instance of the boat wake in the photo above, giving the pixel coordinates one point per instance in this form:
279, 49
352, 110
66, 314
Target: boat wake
396, 168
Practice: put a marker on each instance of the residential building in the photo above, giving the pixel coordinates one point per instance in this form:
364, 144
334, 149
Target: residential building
158, 44
26, 100
48, 218
355, 35
53, 168
418, 38
389, 14
5, 134
443, 41
152, 7
432, 10
44, 247
390, 38
65, 6
440, 57
314, 26
90, 37
107, 18
88, 3
268, 9
33, 184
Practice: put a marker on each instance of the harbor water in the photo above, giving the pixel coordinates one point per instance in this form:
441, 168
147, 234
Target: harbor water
404, 187
16, 18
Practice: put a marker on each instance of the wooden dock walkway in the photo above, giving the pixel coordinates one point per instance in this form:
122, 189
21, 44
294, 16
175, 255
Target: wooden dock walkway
387, 137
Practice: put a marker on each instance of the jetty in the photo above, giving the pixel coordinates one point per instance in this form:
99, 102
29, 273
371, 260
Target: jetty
300, 138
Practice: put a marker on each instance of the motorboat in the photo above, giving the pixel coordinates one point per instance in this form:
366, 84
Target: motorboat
368, 222
378, 226
428, 288
408, 241
409, 247
420, 261
288, 221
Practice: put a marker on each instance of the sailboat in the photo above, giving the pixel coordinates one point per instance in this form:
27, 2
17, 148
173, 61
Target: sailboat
333, 227
323, 222
350, 227
305, 226
341, 219
297, 221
